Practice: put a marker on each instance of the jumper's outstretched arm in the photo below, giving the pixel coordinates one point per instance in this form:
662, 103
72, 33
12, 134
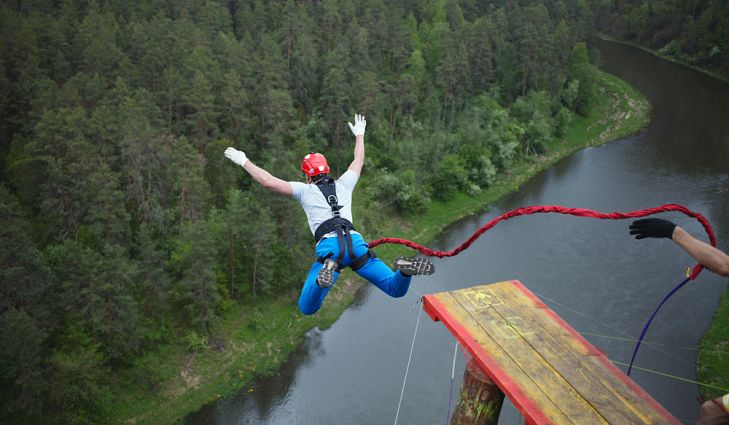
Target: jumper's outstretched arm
266, 179
358, 128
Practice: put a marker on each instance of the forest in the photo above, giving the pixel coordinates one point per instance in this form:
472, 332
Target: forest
124, 228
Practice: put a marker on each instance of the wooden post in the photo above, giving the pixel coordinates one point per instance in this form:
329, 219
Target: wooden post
480, 400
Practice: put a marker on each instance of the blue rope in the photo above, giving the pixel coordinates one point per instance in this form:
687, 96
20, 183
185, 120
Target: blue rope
648, 324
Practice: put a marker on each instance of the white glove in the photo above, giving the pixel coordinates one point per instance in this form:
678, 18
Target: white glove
359, 125
239, 157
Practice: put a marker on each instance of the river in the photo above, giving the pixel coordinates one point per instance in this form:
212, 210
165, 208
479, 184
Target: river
591, 272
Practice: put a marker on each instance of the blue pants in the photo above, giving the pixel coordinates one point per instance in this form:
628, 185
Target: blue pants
394, 284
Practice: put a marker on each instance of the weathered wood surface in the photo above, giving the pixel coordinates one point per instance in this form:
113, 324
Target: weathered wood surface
550, 372
480, 399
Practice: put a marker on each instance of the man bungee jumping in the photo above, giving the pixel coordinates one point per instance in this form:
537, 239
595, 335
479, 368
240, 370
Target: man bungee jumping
716, 411
328, 207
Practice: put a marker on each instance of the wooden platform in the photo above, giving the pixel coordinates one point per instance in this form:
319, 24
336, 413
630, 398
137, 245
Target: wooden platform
548, 371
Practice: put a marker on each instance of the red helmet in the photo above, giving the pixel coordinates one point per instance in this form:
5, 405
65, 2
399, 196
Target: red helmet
313, 164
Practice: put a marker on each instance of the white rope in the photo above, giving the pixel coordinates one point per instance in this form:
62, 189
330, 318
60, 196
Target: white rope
417, 301
453, 368
678, 378
453, 374
658, 344
616, 330
402, 391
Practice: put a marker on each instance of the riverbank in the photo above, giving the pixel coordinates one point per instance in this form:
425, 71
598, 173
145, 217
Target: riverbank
166, 385
712, 361
669, 58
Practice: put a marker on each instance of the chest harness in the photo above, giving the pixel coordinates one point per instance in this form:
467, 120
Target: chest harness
341, 226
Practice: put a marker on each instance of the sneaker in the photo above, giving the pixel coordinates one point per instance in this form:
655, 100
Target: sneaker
413, 266
326, 274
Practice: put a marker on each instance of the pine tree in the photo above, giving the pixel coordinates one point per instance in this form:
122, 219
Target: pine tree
190, 190
96, 289
258, 248
202, 117
79, 378
23, 386
152, 283
24, 280
300, 50
173, 88
193, 259
235, 119
96, 44
335, 101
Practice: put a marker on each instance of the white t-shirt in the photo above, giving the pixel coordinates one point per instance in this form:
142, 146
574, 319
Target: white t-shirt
317, 208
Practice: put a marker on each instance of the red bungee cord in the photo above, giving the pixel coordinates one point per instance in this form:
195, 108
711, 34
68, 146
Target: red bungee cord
580, 212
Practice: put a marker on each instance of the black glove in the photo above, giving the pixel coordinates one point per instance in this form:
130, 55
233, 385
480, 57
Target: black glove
652, 228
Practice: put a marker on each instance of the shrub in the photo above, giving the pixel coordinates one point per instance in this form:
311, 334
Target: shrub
412, 197
401, 192
562, 121
450, 177
195, 341
477, 162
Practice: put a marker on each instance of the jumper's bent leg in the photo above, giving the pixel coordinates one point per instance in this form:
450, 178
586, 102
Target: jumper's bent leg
312, 295
394, 284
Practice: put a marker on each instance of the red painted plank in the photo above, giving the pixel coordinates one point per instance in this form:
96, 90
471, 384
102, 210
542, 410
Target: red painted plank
519, 398
532, 413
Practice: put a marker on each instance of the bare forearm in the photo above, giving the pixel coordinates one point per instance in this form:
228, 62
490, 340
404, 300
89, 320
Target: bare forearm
359, 155
359, 148
266, 179
710, 257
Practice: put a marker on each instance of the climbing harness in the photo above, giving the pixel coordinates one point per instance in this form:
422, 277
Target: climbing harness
341, 226
328, 188
579, 212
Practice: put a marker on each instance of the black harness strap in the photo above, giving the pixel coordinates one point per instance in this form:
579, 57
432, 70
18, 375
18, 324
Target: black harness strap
356, 263
340, 238
360, 261
330, 226
341, 226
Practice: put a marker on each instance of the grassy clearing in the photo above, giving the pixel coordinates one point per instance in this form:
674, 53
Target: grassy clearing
175, 380
246, 344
